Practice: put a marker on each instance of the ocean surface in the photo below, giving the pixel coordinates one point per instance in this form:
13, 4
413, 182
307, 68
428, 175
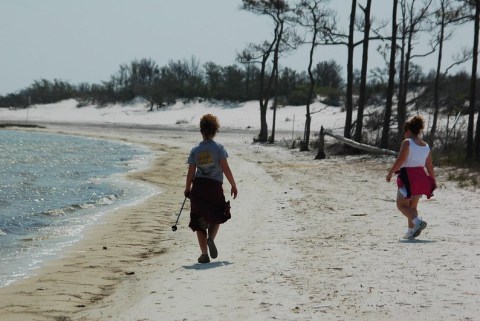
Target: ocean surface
52, 187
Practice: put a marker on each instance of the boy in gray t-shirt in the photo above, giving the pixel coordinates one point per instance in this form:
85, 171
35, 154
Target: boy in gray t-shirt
207, 163
206, 156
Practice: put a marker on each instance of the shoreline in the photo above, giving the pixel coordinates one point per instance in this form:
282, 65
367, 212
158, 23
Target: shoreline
99, 240
90, 211
307, 240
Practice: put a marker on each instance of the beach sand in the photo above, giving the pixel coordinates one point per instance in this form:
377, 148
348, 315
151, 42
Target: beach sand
308, 240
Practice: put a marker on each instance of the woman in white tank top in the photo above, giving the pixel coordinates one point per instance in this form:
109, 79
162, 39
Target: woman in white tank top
414, 156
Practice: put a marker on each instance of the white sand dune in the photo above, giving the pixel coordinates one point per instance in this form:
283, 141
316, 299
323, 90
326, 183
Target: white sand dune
181, 115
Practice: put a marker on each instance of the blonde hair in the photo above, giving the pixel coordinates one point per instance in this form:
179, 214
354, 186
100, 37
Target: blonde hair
209, 126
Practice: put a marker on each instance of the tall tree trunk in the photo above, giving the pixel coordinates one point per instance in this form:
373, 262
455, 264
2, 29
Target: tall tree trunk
276, 53
263, 135
349, 89
401, 112
306, 135
362, 101
248, 72
266, 90
438, 76
473, 85
272, 137
391, 79
402, 102
263, 100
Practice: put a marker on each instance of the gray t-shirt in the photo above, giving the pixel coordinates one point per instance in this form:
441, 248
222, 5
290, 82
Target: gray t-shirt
206, 156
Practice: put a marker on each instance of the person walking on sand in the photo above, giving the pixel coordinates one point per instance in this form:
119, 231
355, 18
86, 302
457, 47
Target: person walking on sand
412, 181
207, 164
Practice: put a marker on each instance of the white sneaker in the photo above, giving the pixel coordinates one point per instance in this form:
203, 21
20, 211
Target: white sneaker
419, 228
409, 235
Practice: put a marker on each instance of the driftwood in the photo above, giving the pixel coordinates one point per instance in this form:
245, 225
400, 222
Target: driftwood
367, 148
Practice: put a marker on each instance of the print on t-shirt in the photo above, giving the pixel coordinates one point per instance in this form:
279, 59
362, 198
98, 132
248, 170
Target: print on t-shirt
205, 161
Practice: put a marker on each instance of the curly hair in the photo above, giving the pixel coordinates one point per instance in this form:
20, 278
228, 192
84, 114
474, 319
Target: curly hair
209, 126
415, 125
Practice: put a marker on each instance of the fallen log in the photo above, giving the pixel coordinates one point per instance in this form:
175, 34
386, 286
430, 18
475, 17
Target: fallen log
367, 148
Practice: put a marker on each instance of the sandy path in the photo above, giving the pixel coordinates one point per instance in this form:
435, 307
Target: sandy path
308, 240
238, 284
353, 265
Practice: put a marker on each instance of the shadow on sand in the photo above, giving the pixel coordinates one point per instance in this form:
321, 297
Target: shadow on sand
206, 266
416, 241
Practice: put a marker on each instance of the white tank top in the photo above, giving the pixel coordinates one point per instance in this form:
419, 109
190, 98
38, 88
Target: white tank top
417, 155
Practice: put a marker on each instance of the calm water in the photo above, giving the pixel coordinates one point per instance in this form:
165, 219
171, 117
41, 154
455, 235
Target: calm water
51, 187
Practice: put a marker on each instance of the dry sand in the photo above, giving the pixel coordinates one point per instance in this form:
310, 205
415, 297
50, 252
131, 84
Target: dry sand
308, 240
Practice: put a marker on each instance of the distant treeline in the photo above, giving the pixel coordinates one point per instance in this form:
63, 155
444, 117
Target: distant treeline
187, 79
183, 79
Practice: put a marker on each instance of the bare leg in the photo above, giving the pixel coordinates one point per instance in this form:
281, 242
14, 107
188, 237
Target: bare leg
413, 204
212, 231
202, 241
408, 207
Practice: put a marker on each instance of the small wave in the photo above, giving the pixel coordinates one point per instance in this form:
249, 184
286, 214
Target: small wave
2, 233
85, 206
55, 212
107, 200
67, 209
43, 237
58, 211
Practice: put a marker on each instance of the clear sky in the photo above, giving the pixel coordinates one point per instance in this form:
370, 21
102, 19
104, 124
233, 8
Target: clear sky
87, 40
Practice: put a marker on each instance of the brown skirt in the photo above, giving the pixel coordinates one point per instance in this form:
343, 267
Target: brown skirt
207, 204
